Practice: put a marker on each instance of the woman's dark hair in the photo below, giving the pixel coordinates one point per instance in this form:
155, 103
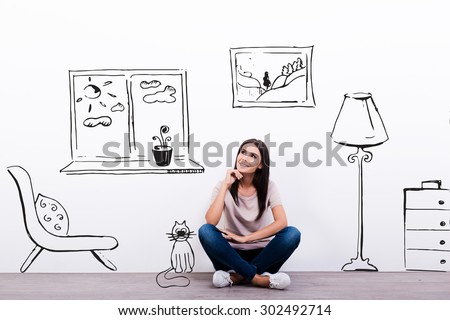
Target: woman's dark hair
261, 177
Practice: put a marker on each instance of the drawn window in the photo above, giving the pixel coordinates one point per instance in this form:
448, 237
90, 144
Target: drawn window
118, 118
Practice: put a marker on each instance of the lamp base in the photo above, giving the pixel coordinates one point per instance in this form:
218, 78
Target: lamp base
359, 264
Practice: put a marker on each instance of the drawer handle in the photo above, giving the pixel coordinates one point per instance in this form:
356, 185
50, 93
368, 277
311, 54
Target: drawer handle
442, 223
443, 261
442, 242
441, 202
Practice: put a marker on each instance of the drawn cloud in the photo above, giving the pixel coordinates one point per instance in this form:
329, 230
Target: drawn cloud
161, 96
93, 122
118, 107
151, 84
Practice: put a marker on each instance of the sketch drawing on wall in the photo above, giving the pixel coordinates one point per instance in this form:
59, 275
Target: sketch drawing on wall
182, 257
426, 214
359, 125
115, 114
47, 225
268, 77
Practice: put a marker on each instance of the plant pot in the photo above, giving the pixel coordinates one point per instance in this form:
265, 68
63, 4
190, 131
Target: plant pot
162, 155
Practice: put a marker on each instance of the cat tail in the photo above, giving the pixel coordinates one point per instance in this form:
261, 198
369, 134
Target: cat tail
163, 283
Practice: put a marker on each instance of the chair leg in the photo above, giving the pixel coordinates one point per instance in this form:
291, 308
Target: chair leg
31, 257
100, 257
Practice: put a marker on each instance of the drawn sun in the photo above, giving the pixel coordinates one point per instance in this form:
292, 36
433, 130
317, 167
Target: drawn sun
92, 92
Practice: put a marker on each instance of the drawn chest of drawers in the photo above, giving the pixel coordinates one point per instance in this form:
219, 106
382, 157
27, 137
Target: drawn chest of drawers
427, 227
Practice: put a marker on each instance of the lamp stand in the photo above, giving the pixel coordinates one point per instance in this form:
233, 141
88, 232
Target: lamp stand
359, 263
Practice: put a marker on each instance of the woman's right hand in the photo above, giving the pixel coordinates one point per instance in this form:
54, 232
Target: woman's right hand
215, 210
231, 176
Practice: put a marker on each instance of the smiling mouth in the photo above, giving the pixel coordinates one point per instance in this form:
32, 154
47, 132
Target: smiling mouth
245, 164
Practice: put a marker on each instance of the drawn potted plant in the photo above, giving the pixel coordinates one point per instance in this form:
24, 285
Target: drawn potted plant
162, 152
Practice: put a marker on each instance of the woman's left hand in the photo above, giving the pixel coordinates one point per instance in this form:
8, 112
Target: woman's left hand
234, 237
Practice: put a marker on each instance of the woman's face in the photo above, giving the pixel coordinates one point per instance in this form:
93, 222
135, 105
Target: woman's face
248, 159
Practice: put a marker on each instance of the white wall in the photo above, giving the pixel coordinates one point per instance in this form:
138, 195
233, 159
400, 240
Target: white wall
398, 52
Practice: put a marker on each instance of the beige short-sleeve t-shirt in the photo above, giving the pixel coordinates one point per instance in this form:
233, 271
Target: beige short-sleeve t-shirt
241, 219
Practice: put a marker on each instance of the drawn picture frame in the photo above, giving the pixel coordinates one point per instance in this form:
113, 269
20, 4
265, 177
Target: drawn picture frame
272, 77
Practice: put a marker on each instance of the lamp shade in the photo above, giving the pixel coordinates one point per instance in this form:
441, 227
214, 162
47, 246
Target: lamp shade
359, 123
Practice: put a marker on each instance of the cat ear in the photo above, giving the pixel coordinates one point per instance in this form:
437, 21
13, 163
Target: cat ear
184, 222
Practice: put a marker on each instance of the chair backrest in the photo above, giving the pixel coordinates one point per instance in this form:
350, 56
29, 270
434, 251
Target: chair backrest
35, 230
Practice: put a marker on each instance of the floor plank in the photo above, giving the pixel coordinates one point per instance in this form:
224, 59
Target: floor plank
305, 286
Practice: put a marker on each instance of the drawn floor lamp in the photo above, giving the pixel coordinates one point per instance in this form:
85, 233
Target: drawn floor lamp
359, 125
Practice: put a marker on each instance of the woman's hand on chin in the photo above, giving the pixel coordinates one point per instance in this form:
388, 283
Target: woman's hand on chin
231, 176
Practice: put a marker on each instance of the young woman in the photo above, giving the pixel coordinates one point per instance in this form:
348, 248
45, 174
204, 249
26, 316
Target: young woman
255, 241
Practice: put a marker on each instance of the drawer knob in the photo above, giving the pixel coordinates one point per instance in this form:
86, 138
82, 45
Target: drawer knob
442, 242
442, 223
441, 202
443, 261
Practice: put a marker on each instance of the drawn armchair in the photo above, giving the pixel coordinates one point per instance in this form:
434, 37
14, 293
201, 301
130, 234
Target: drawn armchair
47, 225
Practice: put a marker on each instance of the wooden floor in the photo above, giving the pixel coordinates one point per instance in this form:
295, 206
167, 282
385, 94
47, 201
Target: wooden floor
305, 286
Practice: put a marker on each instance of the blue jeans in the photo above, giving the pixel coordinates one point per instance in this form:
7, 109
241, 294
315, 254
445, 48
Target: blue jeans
248, 263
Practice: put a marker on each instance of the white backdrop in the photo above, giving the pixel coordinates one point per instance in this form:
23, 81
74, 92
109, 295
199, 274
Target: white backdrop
400, 53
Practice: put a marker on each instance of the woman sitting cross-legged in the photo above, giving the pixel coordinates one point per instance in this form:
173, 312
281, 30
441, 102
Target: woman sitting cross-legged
256, 240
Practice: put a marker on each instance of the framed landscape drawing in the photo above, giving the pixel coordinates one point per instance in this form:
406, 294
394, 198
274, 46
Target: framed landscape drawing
272, 77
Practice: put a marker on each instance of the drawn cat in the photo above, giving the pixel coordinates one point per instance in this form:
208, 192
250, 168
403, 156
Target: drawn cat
182, 257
